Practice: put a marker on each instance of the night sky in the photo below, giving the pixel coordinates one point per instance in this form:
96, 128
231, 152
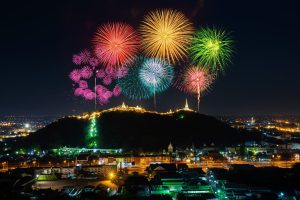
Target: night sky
39, 38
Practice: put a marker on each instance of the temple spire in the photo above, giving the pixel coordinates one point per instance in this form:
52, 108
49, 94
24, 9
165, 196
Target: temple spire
186, 107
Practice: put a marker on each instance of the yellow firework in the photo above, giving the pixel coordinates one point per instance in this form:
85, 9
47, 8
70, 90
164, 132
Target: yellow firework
166, 34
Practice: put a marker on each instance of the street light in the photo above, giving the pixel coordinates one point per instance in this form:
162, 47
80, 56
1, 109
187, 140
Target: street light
111, 175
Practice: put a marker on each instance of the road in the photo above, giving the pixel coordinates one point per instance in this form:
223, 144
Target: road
77, 183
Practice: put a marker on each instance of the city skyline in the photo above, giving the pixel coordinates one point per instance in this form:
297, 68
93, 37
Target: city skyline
261, 80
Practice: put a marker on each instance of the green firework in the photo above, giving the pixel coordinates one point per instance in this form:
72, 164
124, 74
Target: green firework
211, 48
131, 85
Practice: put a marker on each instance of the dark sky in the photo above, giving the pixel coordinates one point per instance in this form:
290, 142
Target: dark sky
38, 39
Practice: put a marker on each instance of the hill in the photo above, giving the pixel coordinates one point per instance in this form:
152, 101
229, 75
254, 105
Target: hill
134, 128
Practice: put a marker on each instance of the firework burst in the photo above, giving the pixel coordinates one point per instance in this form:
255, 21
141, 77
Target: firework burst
85, 83
156, 75
75, 75
115, 43
196, 80
131, 85
211, 48
166, 34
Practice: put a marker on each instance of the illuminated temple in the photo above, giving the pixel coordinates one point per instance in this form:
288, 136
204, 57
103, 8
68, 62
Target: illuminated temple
125, 108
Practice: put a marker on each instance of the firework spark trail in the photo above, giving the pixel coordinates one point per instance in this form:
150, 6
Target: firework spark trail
166, 34
115, 43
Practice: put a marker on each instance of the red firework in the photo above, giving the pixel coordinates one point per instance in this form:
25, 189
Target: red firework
196, 80
115, 43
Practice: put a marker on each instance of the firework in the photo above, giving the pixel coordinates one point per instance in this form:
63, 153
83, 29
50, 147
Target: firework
100, 73
196, 80
83, 84
85, 56
93, 62
78, 91
115, 43
131, 85
117, 90
156, 75
89, 94
75, 75
86, 72
211, 48
77, 59
121, 72
107, 80
166, 34
100, 89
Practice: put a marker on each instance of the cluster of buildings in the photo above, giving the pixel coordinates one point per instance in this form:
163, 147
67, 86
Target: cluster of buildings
19, 126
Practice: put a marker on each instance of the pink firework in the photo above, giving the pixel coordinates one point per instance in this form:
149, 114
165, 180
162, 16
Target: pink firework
86, 72
93, 62
103, 100
110, 72
76, 59
78, 91
196, 80
115, 43
104, 97
120, 73
75, 75
83, 84
100, 89
85, 56
88, 94
107, 80
108, 94
100, 73
117, 90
